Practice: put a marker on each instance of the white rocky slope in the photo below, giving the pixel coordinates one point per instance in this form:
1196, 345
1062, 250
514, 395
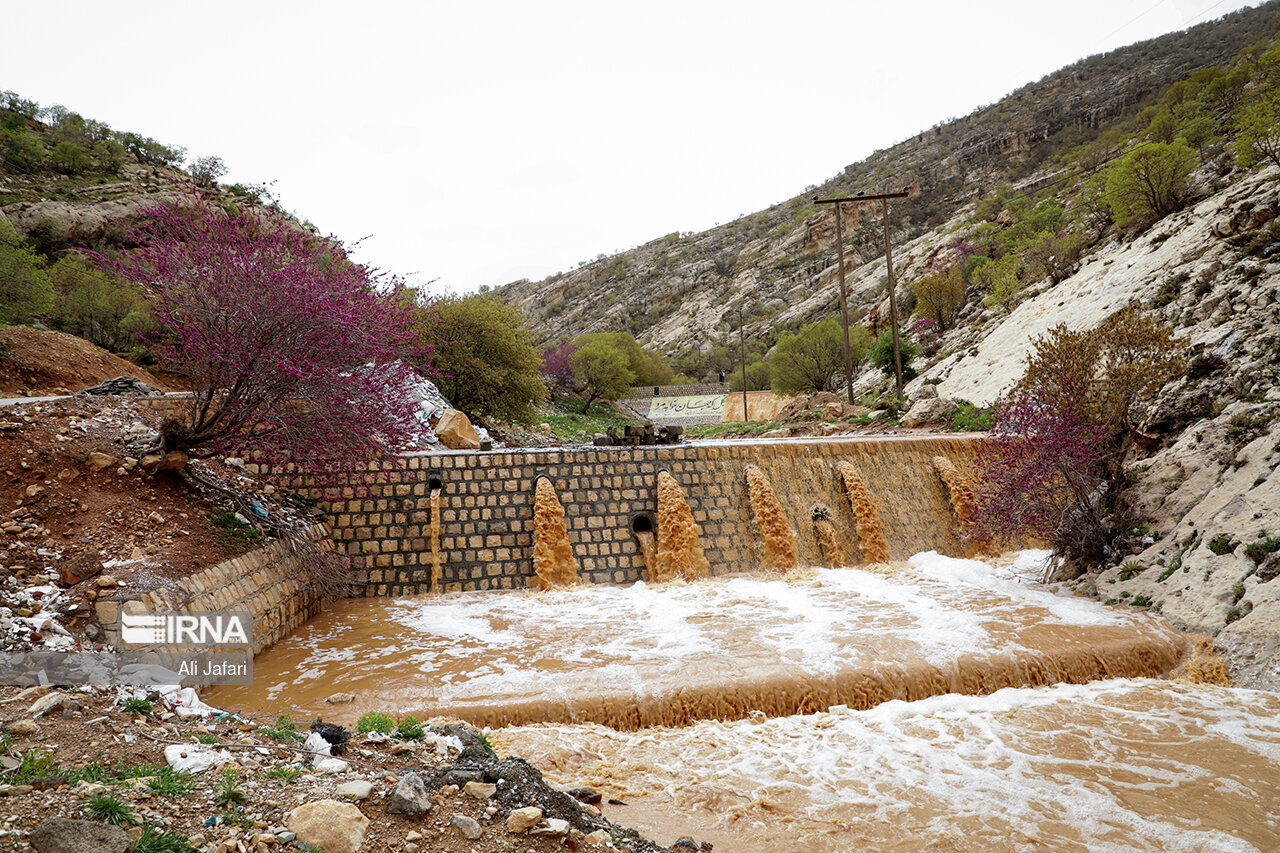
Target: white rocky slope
1214, 481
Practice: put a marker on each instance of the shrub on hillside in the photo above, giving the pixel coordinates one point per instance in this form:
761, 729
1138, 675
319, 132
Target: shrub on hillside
485, 356
812, 359
25, 289
1054, 468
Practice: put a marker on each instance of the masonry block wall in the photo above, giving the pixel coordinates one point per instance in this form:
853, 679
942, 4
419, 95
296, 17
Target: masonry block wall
486, 507
268, 582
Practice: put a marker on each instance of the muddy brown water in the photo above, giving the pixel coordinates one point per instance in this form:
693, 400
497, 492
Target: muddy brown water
936, 705
669, 654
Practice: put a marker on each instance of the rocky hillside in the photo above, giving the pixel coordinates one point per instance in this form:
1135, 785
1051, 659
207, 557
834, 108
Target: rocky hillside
682, 293
1206, 480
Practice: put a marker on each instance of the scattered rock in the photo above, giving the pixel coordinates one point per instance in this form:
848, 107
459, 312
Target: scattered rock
409, 797
329, 824
480, 790
468, 827
522, 820
341, 699
597, 837
584, 795
23, 728
61, 835
357, 789
48, 703
173, 460
554, 827
79, 568
98, 460
928, 410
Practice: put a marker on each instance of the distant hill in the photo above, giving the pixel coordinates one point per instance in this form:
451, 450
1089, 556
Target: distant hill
682, 293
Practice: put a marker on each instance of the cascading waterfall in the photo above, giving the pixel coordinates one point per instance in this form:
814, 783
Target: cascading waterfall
679, 553
433, 531
828, 539
875, 549
779, 540
962, 500
553, 561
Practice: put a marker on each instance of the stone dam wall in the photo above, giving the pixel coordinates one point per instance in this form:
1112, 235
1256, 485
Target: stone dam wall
487, 503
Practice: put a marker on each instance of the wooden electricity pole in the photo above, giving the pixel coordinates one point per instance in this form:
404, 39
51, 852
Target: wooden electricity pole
742, 350
883, 198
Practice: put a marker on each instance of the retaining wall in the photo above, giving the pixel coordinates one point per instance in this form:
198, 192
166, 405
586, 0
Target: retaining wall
486, 504
267, 582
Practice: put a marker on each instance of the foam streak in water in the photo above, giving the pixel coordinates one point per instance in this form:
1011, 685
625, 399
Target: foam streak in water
1109, 767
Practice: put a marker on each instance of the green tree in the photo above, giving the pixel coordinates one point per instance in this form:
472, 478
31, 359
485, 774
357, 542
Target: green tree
647, 366
881, 355
70, 158
940, 295
486, 356
1257, 124
813, 359
96, 306
110, 154
600, 371
1001, 279
1150, 182
20, 149
758, 376
25, 289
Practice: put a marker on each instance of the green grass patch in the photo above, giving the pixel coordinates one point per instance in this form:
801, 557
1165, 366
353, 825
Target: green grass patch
108, 809
568, 420
375, 721
410, 729
971, 418
233, 533
284, 731
286, 773
161, 841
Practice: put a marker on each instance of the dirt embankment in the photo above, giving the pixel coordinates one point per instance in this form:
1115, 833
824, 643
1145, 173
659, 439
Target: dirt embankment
36, 363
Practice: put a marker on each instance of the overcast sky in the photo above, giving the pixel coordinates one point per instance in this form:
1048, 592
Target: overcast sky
478, 143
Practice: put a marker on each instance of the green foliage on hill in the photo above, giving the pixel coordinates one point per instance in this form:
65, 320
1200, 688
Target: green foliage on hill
487, 359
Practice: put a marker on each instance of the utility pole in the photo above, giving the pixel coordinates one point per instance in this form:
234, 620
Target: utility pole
883, 198
742, 350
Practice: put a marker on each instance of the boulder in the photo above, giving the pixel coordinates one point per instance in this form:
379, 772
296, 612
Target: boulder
409, 797
929, 410
61, 835
334, 826
455, 431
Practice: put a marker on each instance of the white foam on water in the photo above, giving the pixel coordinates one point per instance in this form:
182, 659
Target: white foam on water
971, 575
1097, 767
648, 637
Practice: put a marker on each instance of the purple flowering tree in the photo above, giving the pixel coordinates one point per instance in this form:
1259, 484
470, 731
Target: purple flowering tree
1041, 474
291, 350
557, 366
